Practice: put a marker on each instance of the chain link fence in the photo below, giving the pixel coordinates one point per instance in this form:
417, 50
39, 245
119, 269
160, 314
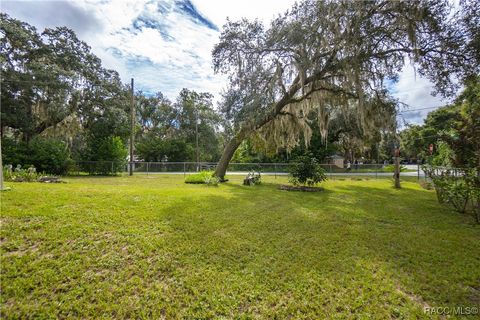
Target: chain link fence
274, 169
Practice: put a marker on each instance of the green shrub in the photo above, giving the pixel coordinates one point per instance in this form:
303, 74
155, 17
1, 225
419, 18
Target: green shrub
212, 181
472, 180
443, 155
19, 174
14, 152
252, 178
203, 177
460, 189
105, 156
458, 195
306, 171
47, 155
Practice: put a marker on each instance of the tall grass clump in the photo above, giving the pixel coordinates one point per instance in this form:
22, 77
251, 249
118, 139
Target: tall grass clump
203, 177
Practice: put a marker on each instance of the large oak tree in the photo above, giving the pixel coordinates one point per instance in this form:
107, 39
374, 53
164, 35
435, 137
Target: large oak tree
322, 56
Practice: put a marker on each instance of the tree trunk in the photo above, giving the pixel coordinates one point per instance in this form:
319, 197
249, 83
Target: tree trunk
397, 172
227, 154
246, 131
1, 167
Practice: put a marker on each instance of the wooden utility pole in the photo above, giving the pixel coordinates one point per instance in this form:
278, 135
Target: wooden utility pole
196, 139
1, 167
132, 127
397, 168
2, 186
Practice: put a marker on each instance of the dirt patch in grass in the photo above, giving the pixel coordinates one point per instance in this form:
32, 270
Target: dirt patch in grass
300, 188
414, 298
474, 294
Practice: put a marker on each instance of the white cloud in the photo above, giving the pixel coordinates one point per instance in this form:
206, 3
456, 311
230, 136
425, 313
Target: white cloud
166, 45
415, 91
264, 10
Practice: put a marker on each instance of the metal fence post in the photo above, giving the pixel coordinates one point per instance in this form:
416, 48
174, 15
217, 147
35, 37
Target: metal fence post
418, 172
275, 168
148, 169
112, 169
184, 170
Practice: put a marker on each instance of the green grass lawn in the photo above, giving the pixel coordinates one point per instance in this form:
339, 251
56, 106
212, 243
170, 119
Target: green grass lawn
154, 247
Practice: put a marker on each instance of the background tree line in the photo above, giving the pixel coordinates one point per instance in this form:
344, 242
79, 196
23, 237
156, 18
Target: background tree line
59, 105
452, 130
325, 57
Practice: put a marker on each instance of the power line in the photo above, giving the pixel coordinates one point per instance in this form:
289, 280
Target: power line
420, 109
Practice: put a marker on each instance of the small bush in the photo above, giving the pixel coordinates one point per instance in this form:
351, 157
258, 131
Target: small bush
104, 156
20, 175
461, 191
49, 155
203, 177
14, 152
306, 171
252, 178
458, 195
212, 181
45, 154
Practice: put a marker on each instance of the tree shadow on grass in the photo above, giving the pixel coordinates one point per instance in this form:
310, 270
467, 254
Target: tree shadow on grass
403, 234
259, 251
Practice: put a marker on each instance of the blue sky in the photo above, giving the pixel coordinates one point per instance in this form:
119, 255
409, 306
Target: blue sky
166, 44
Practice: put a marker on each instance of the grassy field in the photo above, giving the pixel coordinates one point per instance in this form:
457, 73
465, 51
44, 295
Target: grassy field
154, 247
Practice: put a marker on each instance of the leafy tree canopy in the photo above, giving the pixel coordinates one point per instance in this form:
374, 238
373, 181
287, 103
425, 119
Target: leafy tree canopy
327, 56
454, 130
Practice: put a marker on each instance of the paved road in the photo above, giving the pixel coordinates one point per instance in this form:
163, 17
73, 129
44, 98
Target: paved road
352, 173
